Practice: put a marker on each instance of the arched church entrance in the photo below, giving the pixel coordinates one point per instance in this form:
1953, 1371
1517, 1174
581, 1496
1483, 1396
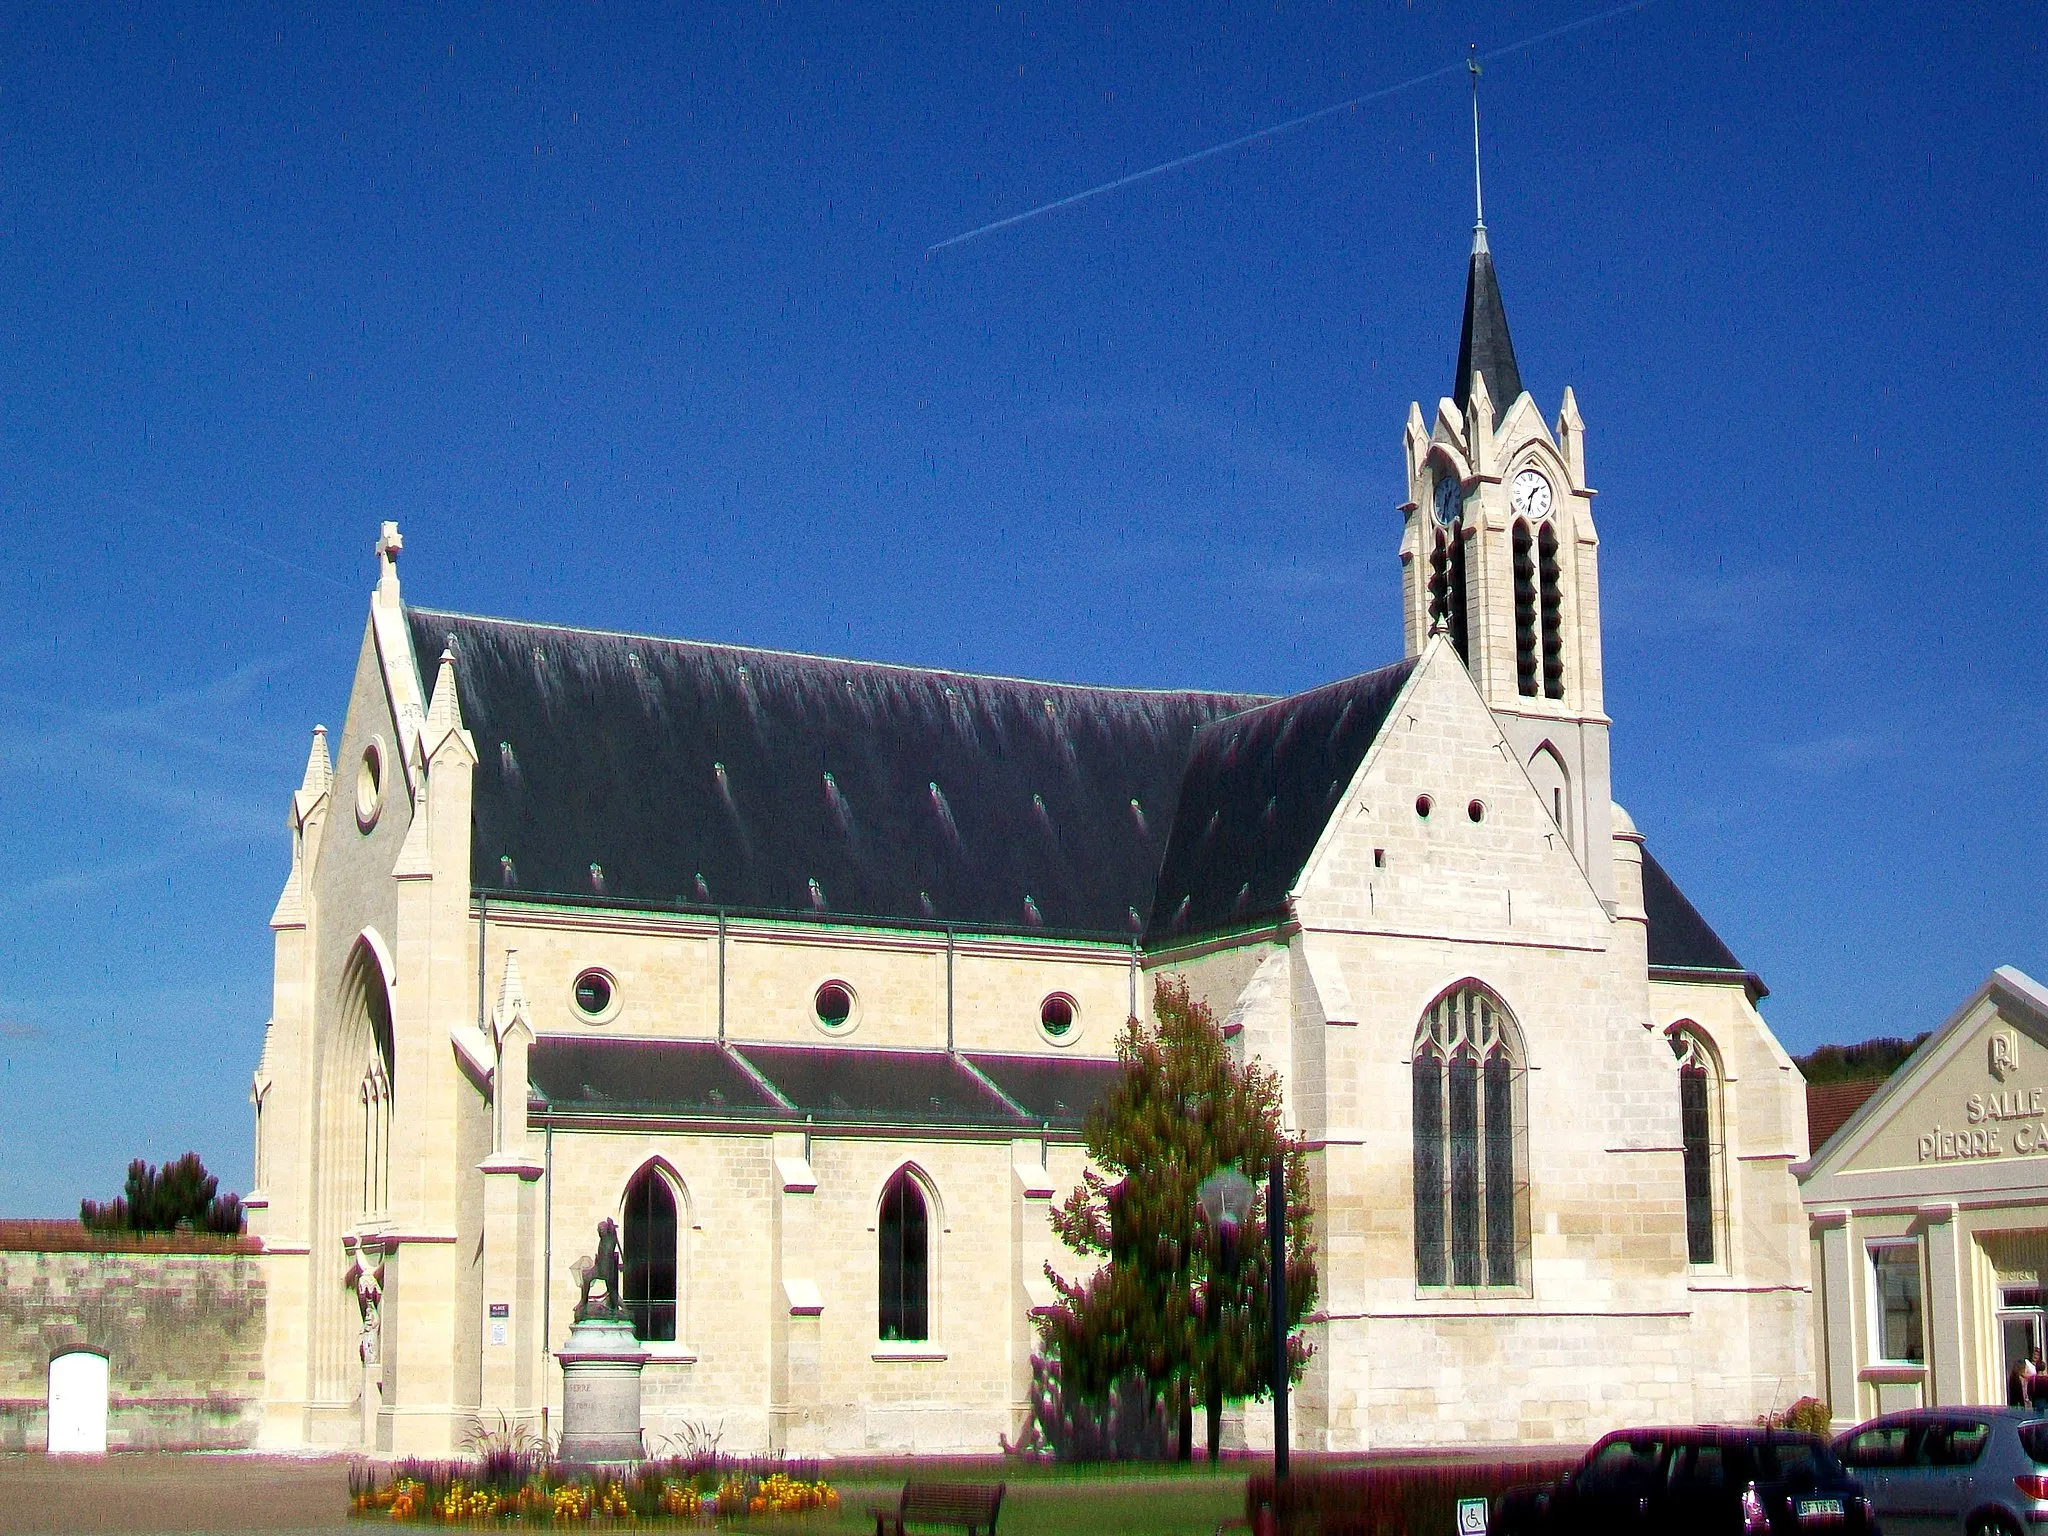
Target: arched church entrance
352, 1191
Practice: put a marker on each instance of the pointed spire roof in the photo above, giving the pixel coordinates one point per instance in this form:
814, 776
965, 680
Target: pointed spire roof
1483, 345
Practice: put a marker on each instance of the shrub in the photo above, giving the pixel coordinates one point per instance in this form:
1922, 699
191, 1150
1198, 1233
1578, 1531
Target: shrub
181, 1194
1126, 1424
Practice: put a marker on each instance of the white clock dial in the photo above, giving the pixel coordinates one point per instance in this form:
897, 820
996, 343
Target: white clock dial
1448, 502
1532, 495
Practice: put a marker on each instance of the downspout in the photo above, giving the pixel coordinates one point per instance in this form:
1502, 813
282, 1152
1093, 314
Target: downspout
547, 1261
949, 988
721, 973
483, 902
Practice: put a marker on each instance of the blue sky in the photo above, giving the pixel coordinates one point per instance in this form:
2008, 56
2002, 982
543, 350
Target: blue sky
626, 316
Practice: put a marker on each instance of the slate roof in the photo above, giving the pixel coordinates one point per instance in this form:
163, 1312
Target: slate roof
599, 1076
765, 782
1483, 343
617, 1078
1680, 939
1258, 790
770, 782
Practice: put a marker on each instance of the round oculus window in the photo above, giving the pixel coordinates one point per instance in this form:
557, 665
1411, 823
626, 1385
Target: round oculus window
1476, 810
370, 783
1423, 806
1058, 1016
834, 1005
596, 995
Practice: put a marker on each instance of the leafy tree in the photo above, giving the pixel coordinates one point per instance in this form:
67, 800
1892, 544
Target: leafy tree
1878, 1059
1182, 1108
181, 1194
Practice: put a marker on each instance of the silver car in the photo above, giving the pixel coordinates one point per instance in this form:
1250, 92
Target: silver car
1958, 1471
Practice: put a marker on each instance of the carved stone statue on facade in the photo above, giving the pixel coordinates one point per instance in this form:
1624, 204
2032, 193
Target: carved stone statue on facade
603, 1271
369, 1299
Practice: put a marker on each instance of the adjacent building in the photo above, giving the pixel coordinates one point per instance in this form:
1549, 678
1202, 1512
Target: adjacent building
1929, 1215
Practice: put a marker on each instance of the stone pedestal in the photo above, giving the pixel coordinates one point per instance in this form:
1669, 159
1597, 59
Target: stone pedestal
601, 1392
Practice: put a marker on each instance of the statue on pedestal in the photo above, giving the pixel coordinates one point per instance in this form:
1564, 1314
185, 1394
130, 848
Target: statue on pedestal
604, 1271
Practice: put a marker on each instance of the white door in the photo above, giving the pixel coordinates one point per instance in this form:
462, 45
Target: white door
78, 1404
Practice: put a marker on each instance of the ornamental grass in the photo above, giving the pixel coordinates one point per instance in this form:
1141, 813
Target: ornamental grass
526, 1489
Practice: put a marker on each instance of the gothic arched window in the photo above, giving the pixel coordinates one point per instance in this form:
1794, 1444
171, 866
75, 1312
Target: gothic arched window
1552, 587
1470, 1194
905, 1247
1700, 1135
648, 1272
1525, 611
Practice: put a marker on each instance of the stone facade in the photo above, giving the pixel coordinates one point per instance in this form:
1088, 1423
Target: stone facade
421, 1203
181, 1322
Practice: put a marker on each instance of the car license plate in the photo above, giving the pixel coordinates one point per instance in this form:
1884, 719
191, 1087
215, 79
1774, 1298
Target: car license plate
1820, 1511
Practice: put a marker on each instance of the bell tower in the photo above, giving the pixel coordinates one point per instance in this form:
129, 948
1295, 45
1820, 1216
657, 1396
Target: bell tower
1499, 553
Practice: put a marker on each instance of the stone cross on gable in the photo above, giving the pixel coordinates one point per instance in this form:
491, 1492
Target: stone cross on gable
389, 543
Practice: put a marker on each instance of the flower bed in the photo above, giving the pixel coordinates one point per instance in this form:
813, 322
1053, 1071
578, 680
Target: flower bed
510, 1489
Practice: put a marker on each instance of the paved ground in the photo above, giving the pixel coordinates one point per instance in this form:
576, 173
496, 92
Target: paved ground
172, 1493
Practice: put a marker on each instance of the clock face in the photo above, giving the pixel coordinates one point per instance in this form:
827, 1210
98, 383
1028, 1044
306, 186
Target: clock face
1532, 495
1448, 502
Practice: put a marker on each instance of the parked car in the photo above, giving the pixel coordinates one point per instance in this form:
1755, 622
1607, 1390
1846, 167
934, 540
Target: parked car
1696, 1482
1971, 1471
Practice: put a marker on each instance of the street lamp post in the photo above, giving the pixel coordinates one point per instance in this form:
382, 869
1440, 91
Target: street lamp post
1276, 1297
1226, 1201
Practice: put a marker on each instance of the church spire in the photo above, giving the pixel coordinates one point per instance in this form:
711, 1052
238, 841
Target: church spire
1483, 345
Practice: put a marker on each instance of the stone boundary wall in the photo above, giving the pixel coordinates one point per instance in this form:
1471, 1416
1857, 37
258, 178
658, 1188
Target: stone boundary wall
180, 1317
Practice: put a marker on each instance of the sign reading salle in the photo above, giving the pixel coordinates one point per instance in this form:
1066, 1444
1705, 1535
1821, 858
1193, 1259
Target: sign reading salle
1991, 1130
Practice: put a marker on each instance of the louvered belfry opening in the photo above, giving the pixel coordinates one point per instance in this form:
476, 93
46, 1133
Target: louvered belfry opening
903, 1234
1525, 611
1553, 613
1470, 1188
1447, 586
650, 1269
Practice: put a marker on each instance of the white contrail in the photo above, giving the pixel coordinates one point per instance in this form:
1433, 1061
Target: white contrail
1279, 128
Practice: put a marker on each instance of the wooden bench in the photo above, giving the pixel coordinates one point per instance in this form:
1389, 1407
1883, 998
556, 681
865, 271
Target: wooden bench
969, 1507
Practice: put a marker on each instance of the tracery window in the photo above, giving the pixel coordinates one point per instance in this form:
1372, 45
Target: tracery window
649, 1271
375, 1095
1470, 1186
1701, 1136
903, 1235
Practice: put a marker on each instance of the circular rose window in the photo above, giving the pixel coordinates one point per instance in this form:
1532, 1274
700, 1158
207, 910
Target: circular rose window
834, 1004
596, 994
1058, 1017
370, 783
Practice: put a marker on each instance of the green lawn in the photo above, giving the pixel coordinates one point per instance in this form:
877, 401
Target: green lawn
1078, 1502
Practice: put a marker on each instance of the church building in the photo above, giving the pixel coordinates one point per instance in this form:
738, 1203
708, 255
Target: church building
805, 973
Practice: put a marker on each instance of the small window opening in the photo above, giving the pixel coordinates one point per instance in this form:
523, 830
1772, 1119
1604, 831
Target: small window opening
1379, 858
1476, 810
1057, 1016
1423, 806
834, 1003
594, 993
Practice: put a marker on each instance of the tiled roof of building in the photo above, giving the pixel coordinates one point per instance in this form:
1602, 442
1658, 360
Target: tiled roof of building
823, 1083
1829, 1106
650, 770
1258, 790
